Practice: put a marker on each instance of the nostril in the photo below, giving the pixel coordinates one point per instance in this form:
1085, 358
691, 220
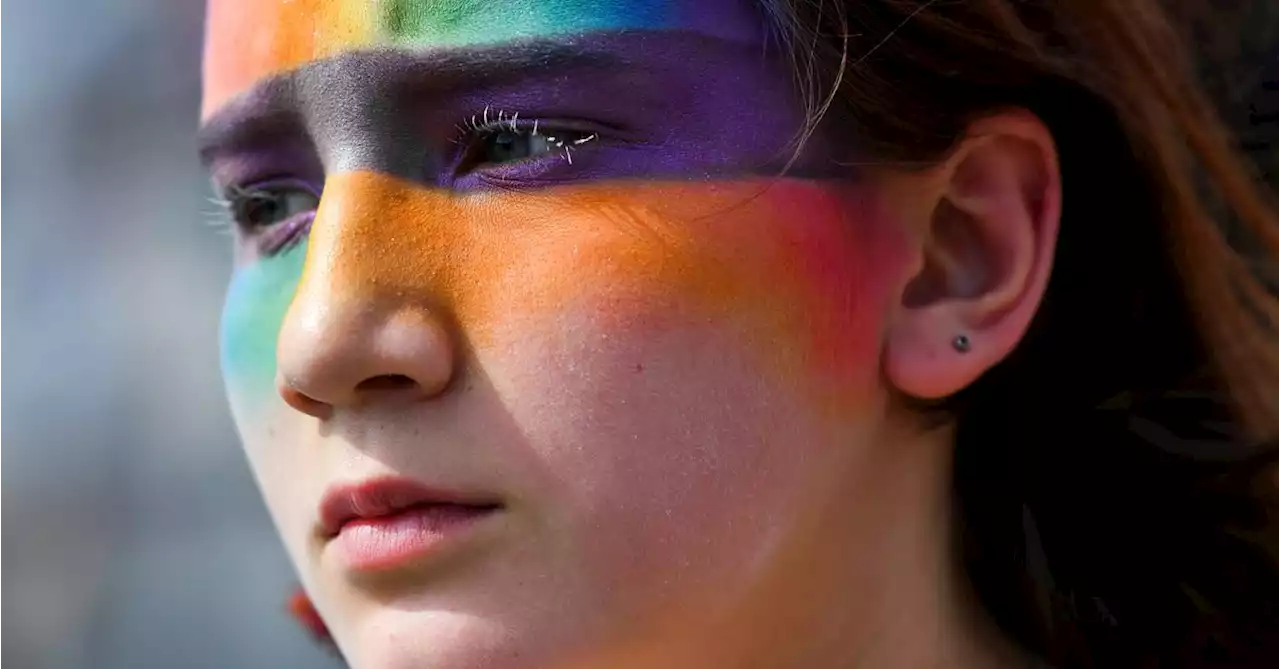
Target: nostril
386, 382
304, 403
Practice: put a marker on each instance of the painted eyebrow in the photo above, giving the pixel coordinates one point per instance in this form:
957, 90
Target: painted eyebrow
270, 108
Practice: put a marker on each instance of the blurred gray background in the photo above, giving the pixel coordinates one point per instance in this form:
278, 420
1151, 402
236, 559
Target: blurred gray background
136, 536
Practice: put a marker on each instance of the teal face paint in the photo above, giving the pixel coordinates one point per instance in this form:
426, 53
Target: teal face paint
471, 22
259, 296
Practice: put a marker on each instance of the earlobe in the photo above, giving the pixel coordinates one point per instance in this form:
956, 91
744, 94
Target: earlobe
931, 355
985, 251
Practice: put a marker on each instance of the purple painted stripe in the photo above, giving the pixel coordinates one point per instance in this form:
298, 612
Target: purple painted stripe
662, 104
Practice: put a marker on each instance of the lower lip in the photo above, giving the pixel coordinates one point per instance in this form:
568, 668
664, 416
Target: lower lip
387, 542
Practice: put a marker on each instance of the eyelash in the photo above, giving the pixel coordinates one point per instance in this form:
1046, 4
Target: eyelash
219, 218
488, 123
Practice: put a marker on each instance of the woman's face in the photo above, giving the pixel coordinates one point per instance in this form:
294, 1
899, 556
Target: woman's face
553, 283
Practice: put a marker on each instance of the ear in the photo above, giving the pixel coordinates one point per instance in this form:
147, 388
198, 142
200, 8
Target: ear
983, 228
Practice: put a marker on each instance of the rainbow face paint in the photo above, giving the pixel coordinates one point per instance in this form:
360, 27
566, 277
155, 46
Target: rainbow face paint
635, 128
249, 41
658, 350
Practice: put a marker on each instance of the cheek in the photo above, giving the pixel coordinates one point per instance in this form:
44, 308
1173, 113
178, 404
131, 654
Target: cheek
255, 307
653, 441
698, 376
798, 275
257, 299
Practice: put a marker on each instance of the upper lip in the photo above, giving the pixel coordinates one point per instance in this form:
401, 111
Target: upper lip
343, 503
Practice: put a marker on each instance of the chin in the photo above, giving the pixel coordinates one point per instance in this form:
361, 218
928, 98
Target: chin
401, 639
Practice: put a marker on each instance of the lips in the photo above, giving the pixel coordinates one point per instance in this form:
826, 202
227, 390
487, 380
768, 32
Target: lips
384, 499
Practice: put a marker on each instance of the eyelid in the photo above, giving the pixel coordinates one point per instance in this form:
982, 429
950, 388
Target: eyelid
468, 131
478, 127
268, 183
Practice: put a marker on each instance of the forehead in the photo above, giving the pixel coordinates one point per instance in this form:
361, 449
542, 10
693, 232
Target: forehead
247, 40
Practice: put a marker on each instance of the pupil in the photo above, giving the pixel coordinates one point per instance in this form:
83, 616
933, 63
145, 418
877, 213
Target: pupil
265, 212
260, 210
505, 146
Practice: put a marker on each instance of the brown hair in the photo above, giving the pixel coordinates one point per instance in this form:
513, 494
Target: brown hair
1116, 475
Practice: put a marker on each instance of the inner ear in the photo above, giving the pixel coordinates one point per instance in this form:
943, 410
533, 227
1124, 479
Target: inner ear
958, 262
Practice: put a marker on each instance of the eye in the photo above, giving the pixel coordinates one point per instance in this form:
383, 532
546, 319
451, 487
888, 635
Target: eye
509, 143
261, 207
506, 146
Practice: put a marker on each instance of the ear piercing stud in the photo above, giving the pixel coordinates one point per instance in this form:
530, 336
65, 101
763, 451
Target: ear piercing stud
961, 343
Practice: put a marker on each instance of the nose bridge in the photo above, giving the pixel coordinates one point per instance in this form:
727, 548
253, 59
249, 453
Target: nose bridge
379, 237
373, 302
376, 239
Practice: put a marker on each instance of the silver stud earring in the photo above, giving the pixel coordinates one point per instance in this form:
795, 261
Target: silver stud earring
961, 343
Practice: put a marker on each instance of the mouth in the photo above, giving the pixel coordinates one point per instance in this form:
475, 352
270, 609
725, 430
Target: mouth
386, 523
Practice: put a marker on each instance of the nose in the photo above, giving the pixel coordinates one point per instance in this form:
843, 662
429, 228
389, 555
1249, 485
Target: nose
366, 324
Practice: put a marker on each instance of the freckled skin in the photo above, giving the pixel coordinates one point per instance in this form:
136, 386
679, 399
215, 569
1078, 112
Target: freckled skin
672, 384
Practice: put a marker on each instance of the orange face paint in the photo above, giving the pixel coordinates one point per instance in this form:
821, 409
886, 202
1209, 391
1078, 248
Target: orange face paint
779, 259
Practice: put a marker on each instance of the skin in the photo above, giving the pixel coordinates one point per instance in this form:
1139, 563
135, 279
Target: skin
674, 367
